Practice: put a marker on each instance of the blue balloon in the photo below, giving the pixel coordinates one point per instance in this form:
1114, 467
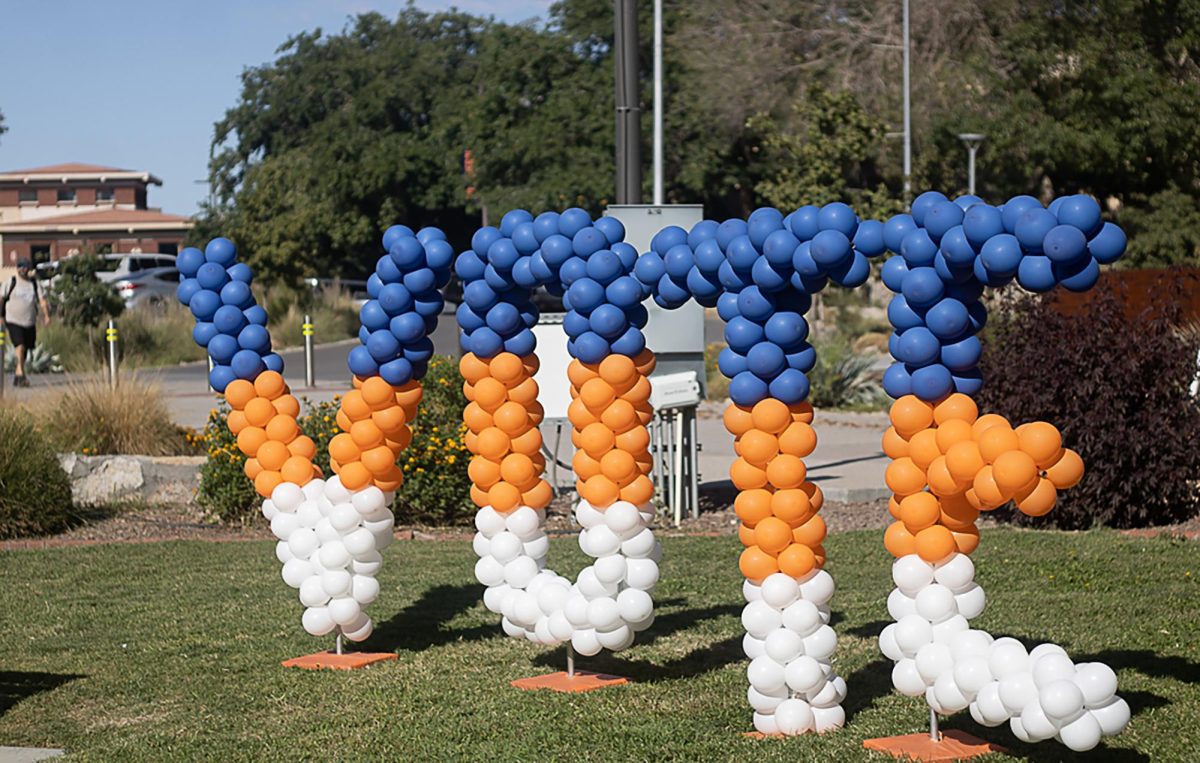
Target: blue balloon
468, 319
922, 287
1036, 274
630, 344
672, 292
778, 248
204, 304
1032, 227
638, 316
893, 272
1081, 212
256, 315
626, 254
524, 239
727, 307
932, 383
520, 344
852, 273
839, 217
895, 229
419, 351
187, 289
587, 241
556, 250
483, 239
869, 238
585, 295
667, 238
961, 355
608, 321
918, 249
479, 296
803, 262
572, 270
741, 254
407, 327
439, 255
591, 348
805, 222
407, 253
894, 345
394, 298
923, 203
1078, 277
649, 268
766, 360
896, 381
1001, 255
980, 223
902, 316
729, 278
1014, 208
247, 364
469, 266
255, 338
791, 386
941, 217
918, 347
767, 278
830, 248
486, 343
728, 231
372, 315
786, 329
502, 255
741, 334
679, 261
604, 266
504, 318
273, 362
189, 261
229, 320
966, 201
363, 334
220, 377
624, 292
545, 225
237, 294
1065, 244
978, 313
957, 249
382, 345
395, 233
387, 270
747, 389
702, 288
948, 319
516, 217
538, 267
968, 382
1108, 245
612, 228
220, 251
240, 271
396, 372
212, 276
375, 285
222, 348
755, 305
730, 364
427, 235
361, 363
763, 222
803, 359
575, 324
705, 230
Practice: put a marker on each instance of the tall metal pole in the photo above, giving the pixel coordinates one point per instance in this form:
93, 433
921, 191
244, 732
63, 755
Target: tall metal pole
971, 169
907, 117
110, 335
629, 148
309, 367
658, 104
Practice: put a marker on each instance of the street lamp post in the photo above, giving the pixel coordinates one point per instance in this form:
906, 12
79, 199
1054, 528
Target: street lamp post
972, 141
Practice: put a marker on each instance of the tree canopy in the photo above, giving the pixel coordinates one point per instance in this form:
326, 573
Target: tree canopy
449, 118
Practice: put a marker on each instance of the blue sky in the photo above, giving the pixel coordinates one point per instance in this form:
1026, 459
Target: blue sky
138, 84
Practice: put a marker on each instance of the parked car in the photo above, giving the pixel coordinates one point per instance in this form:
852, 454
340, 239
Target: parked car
119, 266
148, 287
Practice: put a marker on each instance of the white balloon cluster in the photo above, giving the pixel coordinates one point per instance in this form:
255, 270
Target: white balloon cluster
1041, 692
329, 544
793, 688
607, 604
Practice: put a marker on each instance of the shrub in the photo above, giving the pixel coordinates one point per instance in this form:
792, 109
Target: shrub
841, 378
80, 297
158, 335
35, 495
1117, 387
224, 490
333, 314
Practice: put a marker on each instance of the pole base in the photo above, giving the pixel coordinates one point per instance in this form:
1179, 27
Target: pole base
333, 661
583, 680
954, 745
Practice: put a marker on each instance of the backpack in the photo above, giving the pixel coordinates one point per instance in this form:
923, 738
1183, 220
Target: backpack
12, 284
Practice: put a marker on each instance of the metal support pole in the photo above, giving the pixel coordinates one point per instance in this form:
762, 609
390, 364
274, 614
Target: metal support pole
907, 117
309, 365
694, 455
656, 437
570, 660
658, 103
677, 467
971, 169
934, 734
3, 345
338, 644
629, 143
110, 334
208, 375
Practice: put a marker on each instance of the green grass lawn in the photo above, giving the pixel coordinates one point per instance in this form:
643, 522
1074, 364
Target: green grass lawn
171, 651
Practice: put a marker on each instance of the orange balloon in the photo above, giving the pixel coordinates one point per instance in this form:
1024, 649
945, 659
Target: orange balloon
472, 368
490, 393
494, 443
935, 544
297, 470
772, 535
811, 533
771, 416
1039, 499
619, 467
639, 392
377, 393
894, 446
619, 416
272, 454
408, 395
894, 507
738, 420
236, 421
479, 497
802, 412
343, 421
287, 405
507, 369
252, 468
786, 471
756, 564
354, 406
899, 541
986, 491
366, 434
596, 439
957, 407
398, 439
259, 411
987, 421
1067, 471
1042, 441
996, 440
600, 491
618, 370
517, 468
636, 440
966, 540
792, 506
239, 392
923, 448
952, 432
941, 481
270, 384
379, 460
752, 506
266, 482
819, 555
645, 362
910, 414
963, 460
476, 418
579, 374
504, 497
390, 482
511, 418
638, 492
355, 476
815, 497
745, 535
918, 511
757, 447
529, 443
304, 447
958, 513
903, 477
1014, 470
390, 420
746, 476
282, 428
524, 393
539, 496
597, 394
250, 439
799, 439
483, 471
579, 414
797, 560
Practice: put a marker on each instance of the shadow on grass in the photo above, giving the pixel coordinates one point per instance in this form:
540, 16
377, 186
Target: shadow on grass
1147, 663
869, 630
420, 625
16, 686
1049, 751
870, 682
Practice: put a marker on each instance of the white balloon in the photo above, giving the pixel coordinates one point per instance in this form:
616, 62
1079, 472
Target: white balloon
765, 674
971, 643
560, 627
1097, 681
525, 610
481, 545
912, 633
643, 624
599, 541
334, 555
287, 497
494, 597
537, 548
1062, 701
616, 639
972, 674
991, 708
933, 660
343, 517
552, 598
520, 571
1081, 734
1113, 717
888, 645
576, 610
308, 514
1051, 668
780, 590
753, 647
818, 587
512, 629
359, 542
622, 517
764, 723
268, 510
821, 643
949, 694
367, 500
335, 491
827, 695
946, 630
336, 582
283, 525
956, 573
489, 522
384, 538
802, 616
359, 630
344, 610
1036, 723
591, 586
1016, 690
1041, 650
911, 573
641, 573
604, 614
364, 589
283, 553
326, 532
610, 569
794, 716
1008, 656
828, 718
900, 605
760, 619
1018, 729
751, 591
367, 564
935, 603
523, 523
383, 523
971, 602
296, 571
505, 547
639, 546
907, 679
585, 642
765, 702
783, 645
635, 605
317, 621
804, 674
586, 516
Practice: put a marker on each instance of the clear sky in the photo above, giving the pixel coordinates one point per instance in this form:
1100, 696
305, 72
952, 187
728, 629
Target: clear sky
138, 84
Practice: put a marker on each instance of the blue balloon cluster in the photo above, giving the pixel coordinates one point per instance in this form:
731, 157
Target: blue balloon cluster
229, 322
583, 261
405, 302
951, 250
760, 274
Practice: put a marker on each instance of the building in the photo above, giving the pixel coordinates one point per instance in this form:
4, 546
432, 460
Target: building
47, 213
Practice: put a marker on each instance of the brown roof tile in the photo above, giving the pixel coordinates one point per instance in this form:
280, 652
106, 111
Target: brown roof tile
101, 217
67, 168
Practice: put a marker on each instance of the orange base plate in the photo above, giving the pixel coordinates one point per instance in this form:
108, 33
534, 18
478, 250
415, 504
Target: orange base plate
954, 745
335, 661
584, 680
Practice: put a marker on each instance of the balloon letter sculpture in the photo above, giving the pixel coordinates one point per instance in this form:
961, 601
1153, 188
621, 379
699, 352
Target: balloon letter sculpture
587, 263
331, 531
950, 463
760, 275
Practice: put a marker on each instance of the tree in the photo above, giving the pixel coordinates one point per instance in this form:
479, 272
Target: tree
82, 299
3, 127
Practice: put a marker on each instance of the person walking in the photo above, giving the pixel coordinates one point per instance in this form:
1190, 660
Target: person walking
19, 306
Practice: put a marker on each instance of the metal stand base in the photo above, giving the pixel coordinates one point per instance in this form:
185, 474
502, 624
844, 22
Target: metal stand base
570, 680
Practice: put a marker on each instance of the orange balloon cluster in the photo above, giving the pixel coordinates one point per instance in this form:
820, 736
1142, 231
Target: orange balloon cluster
502, 420
949, 463
264, 421
609, 411
776, 503
374, 418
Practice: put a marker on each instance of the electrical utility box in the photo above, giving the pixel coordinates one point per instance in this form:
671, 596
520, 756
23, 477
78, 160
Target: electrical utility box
675, 336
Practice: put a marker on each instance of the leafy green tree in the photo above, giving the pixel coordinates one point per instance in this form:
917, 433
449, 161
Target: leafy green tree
3, 127
82, 299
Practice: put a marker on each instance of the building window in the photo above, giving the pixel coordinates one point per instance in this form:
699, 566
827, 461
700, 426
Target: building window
171, 248
104, 194
28, 196
39, 253
104, 248
66, 196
